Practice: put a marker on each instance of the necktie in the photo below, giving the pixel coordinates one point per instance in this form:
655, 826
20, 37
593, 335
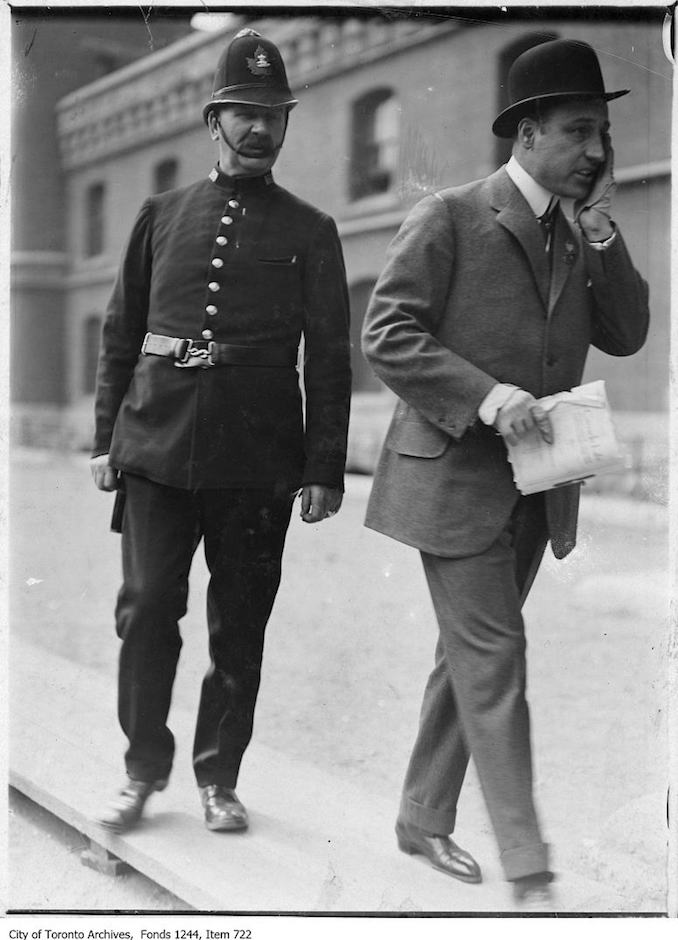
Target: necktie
547, 221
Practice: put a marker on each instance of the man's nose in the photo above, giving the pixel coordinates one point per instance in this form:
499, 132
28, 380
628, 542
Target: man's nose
259, 126
595, 148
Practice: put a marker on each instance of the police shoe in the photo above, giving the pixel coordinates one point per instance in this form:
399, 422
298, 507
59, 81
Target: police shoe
441, 851
223, 809
124, 811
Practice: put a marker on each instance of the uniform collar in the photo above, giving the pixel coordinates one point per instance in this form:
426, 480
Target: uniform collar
537, 196
240, 183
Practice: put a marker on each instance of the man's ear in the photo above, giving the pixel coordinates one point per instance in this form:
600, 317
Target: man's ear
525, 132
213, 125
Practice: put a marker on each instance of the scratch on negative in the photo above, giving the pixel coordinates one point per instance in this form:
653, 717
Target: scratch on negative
30, 44
147, 17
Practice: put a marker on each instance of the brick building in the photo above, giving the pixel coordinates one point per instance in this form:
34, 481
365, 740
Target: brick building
392, 106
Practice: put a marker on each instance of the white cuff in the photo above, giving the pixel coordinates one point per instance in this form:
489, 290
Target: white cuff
494, 400
601, 246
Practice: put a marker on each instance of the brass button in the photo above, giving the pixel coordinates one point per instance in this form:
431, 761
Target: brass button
210, 309
213, 286
233, 203
217, 263
222, 240
207, 334
227, 220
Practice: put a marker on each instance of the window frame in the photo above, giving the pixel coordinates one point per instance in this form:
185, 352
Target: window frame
171, 163
95, 220
92, 325
369, 175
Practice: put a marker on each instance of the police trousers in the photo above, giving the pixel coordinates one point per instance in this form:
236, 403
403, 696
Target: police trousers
475, 703
243, 531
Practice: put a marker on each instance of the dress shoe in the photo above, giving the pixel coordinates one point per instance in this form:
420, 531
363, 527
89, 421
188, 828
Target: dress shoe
441, 851
223, 809
534, 892
124, 811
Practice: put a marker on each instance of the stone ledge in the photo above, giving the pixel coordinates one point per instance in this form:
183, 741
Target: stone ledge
125, 110
643, 436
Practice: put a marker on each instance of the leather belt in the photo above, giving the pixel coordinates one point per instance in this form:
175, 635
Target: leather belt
191, 353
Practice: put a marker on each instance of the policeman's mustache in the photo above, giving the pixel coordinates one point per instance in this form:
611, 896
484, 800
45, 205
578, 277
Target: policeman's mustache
263, 146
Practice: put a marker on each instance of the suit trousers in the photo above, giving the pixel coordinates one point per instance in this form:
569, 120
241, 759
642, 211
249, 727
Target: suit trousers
244, 534
474, 703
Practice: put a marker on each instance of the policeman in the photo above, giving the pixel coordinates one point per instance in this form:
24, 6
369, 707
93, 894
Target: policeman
199, 420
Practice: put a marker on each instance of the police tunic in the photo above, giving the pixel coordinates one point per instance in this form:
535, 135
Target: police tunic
238, 261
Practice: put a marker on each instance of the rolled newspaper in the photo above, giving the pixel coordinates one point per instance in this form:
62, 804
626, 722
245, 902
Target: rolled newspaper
584, 445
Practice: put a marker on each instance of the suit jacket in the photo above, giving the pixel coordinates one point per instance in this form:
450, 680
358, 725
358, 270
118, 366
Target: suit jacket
257, 266
464, 302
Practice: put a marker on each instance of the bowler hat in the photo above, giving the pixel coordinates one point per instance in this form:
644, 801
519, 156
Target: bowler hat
250, 70
560, 68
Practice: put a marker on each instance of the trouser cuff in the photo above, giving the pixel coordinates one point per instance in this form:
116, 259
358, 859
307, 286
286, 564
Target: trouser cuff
525, 860
432, 821
147, 773
221, 780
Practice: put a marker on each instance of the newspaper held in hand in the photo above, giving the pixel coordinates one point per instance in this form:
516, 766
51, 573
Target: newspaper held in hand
584, 444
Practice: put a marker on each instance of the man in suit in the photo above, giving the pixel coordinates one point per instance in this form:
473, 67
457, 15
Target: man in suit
479, 311
199, 419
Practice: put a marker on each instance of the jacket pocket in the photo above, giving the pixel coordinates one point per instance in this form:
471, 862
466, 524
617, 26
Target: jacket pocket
414, 436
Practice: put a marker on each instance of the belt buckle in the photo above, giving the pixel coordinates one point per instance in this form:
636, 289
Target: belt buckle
195, 357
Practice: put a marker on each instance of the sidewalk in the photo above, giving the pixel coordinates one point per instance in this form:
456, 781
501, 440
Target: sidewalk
350, 644
316, 843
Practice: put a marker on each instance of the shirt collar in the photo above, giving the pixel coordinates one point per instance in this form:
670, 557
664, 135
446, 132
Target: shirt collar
240, 183
536, 196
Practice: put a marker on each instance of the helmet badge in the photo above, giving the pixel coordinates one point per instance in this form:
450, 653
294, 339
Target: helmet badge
259, 65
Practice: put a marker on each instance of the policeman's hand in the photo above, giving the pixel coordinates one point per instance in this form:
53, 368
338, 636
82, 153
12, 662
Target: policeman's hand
319, 502
104, 475
594, 212
519, 415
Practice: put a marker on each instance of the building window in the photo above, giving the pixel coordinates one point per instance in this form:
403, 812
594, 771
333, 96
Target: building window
507, 57
165, 175
94, 220
90, 348
375, 139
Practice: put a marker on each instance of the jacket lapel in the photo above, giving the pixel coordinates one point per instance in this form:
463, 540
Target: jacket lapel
565, 251
514, 213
